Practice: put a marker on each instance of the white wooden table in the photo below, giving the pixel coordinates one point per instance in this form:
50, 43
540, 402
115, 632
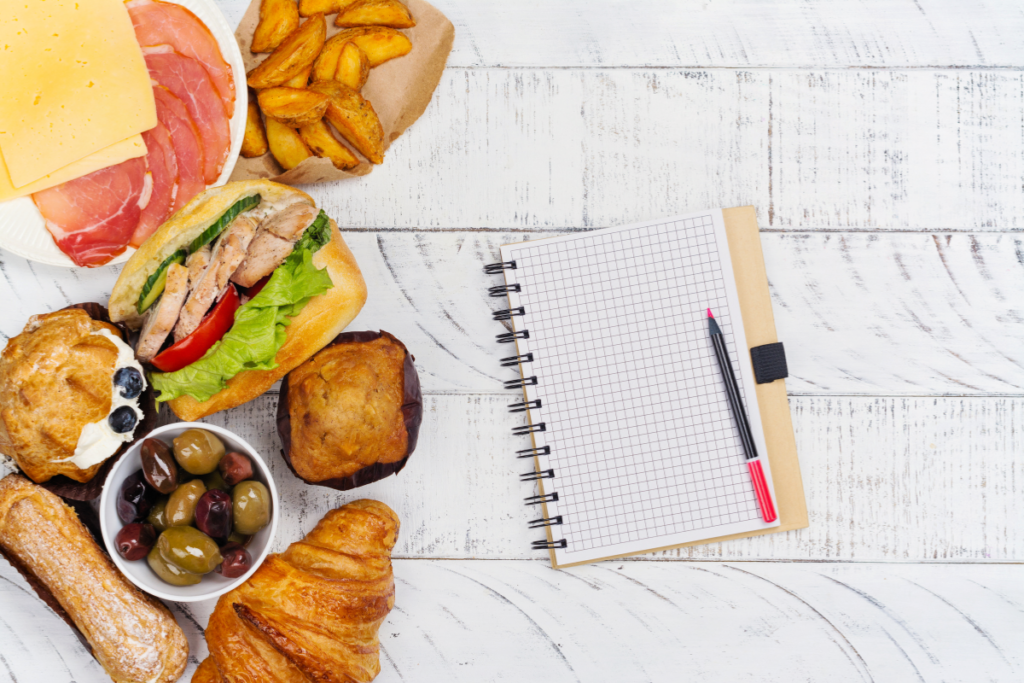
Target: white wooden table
882, 143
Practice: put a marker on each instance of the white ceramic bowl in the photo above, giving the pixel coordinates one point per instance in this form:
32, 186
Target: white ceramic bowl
139, 573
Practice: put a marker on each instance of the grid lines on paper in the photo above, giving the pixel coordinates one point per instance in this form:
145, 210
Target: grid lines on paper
642, 440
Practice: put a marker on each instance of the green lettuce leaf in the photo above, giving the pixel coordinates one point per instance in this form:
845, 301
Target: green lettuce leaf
259, 329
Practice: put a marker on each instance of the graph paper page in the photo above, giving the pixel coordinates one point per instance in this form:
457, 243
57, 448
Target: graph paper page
644, 449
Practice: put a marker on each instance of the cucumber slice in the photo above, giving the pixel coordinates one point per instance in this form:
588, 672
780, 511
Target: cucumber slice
224, 221
155, 283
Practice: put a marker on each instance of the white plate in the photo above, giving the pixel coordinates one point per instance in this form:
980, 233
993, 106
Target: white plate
22, 230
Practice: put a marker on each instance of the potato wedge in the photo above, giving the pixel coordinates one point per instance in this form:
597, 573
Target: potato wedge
319, 138
308, 8
353, 67
286, 145
278, 18
326, 63
380, 43
354, 118
254, 141
293, 106
300, 81
292, 56
376, 13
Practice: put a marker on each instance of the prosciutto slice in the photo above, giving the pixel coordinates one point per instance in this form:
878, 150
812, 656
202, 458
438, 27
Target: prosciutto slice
164, 23
92, 218
189, 82
188, 148
163, 166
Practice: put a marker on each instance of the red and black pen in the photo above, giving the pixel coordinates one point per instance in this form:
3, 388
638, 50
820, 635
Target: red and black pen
732, 388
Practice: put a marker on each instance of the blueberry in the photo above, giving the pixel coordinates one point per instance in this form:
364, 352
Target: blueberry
130, 381
123, 420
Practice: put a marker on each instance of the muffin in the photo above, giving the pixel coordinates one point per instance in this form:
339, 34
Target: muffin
71, 395
350, 415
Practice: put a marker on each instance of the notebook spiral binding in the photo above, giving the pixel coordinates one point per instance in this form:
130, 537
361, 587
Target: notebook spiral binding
525, 405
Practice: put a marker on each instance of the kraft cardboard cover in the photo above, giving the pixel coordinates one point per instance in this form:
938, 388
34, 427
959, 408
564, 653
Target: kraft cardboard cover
399, 91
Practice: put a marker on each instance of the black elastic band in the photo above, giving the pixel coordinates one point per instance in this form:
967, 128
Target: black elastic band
544, 521
502, 290
495, 268
534, 476
549, 545
769, 362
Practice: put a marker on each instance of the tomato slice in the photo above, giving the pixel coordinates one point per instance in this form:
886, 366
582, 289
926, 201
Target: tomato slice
258, 287
214, 326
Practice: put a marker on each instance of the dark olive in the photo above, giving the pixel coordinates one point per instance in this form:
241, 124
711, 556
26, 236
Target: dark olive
198, 451
213, 514
135, 540
214, 480
158, 465
251, 508
170, 573
235, 467
135, 499
237, 561
129, 380
240, 539
181, 506
158, 515
123, 420
189, 549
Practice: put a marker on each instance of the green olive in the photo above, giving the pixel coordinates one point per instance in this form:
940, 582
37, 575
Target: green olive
240, 539
215, 480
198, 451
189, 549
250, 507
168, 572
158, 515
181, 506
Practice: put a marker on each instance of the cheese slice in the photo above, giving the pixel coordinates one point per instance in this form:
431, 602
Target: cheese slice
108, 156
74, 83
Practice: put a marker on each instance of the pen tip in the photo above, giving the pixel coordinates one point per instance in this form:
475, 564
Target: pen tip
710, 315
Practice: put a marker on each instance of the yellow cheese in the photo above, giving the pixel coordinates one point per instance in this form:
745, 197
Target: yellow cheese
108, 156
74, 82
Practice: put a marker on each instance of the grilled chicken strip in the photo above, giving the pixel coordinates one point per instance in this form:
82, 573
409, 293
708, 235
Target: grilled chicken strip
160, 318
196, 264
274, 240
225, 259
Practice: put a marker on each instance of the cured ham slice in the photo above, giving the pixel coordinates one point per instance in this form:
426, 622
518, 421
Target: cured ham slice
188, 148
164, 23
163, 166
190, 83
92, 218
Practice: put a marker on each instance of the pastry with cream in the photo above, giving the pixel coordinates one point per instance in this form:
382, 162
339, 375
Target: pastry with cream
69, 395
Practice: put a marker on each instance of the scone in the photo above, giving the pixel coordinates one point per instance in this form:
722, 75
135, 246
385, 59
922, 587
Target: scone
350, 415
69, 395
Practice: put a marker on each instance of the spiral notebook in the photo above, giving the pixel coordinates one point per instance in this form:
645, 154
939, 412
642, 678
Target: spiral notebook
633, 443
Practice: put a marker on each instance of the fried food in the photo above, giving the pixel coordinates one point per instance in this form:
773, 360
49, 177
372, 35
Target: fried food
308, 8
254, 142
278, 18
300, 81
376, 13
326, 63
354, 118
293, 106
319, 138
353, 67
380, 43
292, 56
286, 145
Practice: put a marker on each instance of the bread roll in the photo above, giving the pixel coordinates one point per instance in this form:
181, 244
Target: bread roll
133, 636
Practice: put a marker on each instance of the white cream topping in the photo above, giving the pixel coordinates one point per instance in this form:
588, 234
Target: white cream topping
98, 441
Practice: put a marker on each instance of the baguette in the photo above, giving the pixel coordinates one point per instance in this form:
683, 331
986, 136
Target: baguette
322, 319
132, 636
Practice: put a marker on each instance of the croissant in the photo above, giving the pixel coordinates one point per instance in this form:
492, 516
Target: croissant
312, 612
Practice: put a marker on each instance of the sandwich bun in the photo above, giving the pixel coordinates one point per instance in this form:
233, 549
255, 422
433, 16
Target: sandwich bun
320, 321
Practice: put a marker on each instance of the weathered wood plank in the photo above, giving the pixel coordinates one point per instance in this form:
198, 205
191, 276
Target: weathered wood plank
896, 313
559, 149
674, 33
515, 620
894, 479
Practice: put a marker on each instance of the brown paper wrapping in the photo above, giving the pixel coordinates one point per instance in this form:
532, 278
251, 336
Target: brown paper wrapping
399, 91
